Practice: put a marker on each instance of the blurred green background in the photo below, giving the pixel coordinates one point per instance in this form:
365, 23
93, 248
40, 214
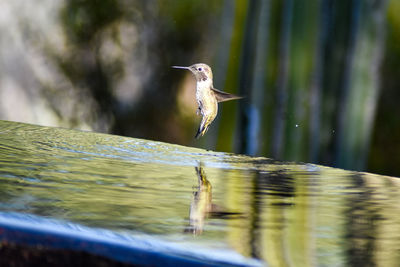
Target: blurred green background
320, 77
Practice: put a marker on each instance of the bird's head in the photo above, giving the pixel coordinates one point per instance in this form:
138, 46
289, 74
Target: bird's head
201, 71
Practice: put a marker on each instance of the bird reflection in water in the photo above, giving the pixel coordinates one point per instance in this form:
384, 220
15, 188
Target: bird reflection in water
202, 207
201, 203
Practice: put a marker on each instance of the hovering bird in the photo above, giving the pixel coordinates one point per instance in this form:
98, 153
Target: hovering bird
206, 95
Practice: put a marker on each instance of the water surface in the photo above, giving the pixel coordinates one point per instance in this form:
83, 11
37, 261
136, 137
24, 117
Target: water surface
283, 214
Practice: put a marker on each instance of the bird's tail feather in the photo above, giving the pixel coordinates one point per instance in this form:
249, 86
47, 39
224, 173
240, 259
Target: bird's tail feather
201, 131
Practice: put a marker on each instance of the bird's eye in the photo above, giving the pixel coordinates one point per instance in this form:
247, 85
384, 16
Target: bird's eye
200, 69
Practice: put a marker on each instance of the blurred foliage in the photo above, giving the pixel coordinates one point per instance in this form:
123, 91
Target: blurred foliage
161, 27
310, 72
385, 148
85, 19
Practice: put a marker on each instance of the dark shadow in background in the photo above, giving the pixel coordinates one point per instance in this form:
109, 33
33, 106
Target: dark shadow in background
170, 34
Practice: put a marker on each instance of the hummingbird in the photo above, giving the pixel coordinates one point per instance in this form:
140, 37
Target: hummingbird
206, 95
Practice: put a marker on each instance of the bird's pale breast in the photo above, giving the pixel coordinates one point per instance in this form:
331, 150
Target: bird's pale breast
205, 98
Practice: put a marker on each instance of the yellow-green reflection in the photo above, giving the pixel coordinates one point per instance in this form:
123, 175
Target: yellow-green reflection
201, 203
283, 214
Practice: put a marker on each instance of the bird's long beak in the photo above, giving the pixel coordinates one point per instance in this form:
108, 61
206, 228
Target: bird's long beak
180, 67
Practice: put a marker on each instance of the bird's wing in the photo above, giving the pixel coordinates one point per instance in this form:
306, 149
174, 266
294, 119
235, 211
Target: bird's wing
223, 96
